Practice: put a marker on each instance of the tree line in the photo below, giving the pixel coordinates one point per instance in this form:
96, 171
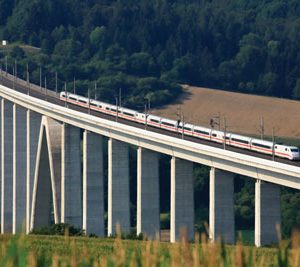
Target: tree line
145, 46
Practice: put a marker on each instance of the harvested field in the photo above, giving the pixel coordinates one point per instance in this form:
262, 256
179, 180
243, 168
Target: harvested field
243, 112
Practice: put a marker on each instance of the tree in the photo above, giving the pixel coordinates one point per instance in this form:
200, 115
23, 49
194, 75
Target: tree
97, 37
17, 52
6, 8
47, 45
251, 39
140, 63
67, 47
115, 54
59, 33
290, 201
251, 60
244, 202
296, 90
268, 83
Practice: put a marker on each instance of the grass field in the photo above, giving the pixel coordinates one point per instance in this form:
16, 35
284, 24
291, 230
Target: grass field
81, 251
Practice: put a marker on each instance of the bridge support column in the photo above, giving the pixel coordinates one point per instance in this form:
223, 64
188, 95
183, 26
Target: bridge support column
118, 186
33, 129
6, 166
182, 199
47, 176
221, 206
19, 167
148, 220
267, 213
71, 194
93, 195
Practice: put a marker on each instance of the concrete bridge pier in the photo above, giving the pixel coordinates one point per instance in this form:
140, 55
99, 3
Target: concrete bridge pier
6, 166
71, 193
182, 199
19, 167
46, 192
118, 187
148, 219
267, 213
93, 191
33, 129
221, 206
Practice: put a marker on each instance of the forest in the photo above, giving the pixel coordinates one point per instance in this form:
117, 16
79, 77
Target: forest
148, 48
145, 47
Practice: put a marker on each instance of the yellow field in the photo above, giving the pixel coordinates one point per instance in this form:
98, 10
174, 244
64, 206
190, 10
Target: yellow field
243, 112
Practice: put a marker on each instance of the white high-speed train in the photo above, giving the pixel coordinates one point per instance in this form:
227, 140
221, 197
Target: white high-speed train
236, 140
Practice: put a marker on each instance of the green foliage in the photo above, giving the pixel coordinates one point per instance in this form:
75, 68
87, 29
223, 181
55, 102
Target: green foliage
97, 37
268, 83
245, 46
164, 221
290, 201
67, 47
17, 52
58, 229
244, 203
296, 90
132, 235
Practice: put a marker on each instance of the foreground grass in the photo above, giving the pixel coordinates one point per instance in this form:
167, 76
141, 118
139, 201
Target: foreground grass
81, 251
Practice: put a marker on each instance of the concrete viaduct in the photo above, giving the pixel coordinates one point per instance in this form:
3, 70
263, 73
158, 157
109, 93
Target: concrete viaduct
41, 174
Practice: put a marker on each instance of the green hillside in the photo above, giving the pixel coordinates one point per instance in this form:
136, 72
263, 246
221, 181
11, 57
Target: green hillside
145, 46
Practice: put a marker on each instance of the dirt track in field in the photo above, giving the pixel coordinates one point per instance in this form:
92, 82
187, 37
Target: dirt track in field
243, 112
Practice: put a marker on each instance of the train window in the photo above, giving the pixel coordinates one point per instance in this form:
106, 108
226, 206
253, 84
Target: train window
286, 149
93, 104
154, 120
100, 106
128, 114
240, 141
113, 109
179, 126
73, 98
82, 101
227, 138
201, 132
167, 123
294, 150
214, 135
260, 145
187, 128
107, 108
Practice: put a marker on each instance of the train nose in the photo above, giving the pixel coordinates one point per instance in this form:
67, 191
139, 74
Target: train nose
296, 156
